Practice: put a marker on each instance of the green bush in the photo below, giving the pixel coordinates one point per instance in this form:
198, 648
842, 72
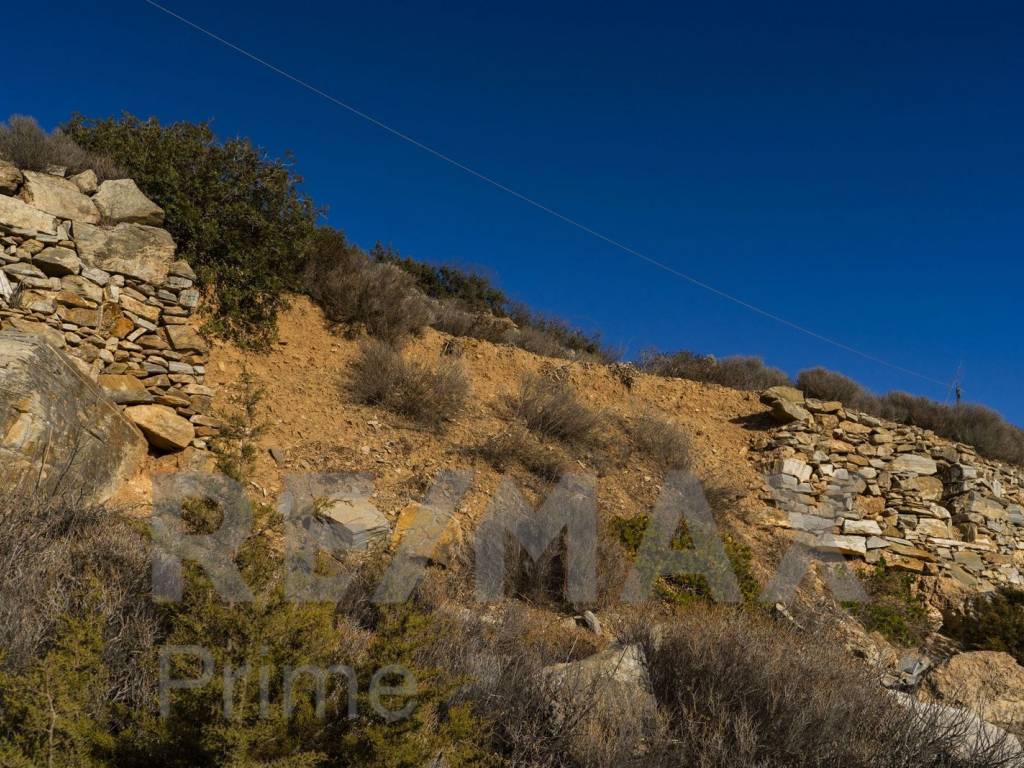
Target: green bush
685, 589
993, 622
236, 214
892, 608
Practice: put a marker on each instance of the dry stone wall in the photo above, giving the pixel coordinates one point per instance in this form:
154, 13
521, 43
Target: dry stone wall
89, 267
851, 483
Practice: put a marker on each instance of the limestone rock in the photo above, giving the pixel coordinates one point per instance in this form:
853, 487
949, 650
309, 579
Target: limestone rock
135, 250
58, 196
789, 394
786, 412
122, 201
51, 336
15, 214
909, 462
37, 301
10, 178
184, 338
163, 428
989, 682
57, 261
86, 181
356, 520
58, 432
124, 390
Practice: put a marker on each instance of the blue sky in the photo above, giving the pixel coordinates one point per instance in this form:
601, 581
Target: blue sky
854, 168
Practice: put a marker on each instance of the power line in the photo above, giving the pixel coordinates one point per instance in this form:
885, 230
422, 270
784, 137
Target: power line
546, 209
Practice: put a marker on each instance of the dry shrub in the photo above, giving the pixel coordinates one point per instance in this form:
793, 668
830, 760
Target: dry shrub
475, 325
661, 440
740, 690
552, 408
827, 385
518, 446
29, 147
61, 560
381, 376
736, 372
356, 291
503, 660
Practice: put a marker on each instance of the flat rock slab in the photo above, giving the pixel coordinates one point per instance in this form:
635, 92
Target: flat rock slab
136, 250
124, 389
16, 214
58, 196
122, 201
163, 428
59, 433
356, 520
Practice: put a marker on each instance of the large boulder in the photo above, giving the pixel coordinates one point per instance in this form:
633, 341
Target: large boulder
15, 214
58, 196
163, 428
989, 682
135, 250
59, 434
122, 201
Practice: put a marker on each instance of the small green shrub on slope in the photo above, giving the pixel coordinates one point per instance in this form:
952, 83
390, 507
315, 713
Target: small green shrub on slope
992, 622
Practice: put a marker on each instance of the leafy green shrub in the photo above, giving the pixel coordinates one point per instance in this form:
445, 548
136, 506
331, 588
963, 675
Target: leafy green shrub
467, 290
29, 147
736, 372
235, 447
236, 214
993, 622
552, 408
892, 608
357, 291
381, 376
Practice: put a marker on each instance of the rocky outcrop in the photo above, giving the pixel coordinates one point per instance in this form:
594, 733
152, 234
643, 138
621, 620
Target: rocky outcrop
110, 292
876, 490
58, 432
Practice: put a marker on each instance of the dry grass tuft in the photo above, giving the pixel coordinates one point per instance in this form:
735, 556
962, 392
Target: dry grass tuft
553, 409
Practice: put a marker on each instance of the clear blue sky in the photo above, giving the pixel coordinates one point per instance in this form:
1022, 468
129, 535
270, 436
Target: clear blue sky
854, 167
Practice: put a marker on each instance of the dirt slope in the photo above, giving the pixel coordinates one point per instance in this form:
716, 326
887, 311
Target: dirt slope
314, 422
